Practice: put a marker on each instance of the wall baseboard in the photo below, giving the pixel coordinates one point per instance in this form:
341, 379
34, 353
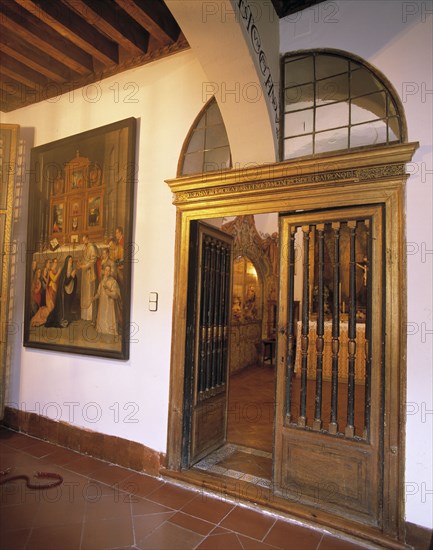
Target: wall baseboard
117, 450
421, 538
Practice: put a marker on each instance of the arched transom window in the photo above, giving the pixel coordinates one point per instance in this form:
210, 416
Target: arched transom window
335, 103
206, 147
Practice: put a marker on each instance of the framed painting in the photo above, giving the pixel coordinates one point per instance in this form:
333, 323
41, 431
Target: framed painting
78, 268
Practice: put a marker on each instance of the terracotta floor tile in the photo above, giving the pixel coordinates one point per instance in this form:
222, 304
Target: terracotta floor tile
107, 533
253, 544
20, 516
110, 474
108, 506
19, 441
140, 485
103, 506
83, 465
172, 496
40, 449
292, 537
250, 422
192, 523
220, 531
249, 463
248, 522
16, 492
145, 525
224, 541
170, 537
60, 457
208, 508
12, 540
60, 512
62, 537
144, 507
17, 460
92, 490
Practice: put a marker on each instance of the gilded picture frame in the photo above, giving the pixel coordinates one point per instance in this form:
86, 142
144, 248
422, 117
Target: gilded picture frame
9, 145
79, 243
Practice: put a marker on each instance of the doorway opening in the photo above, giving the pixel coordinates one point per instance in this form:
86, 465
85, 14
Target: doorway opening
328, 461
239, 411
327, 384
246, 451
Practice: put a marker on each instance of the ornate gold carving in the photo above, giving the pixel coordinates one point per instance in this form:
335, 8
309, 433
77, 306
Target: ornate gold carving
8, 172
353, 175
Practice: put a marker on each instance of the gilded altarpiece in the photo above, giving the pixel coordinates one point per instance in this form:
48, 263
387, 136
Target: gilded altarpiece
8, 163
255, 283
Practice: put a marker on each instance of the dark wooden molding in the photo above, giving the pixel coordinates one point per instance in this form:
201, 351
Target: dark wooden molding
29, 28
68, 24
111, 21
420, 538
154, 16
116, 450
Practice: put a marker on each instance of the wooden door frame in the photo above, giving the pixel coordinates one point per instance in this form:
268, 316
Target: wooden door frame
367, 176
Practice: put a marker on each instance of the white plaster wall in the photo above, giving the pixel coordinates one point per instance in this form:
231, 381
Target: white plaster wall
168, 99
216, 33
396, 38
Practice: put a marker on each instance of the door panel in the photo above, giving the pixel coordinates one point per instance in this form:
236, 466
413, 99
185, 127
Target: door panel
206, 364
328, 432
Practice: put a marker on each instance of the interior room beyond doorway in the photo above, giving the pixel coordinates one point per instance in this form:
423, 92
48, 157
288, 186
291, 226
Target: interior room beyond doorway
247, 453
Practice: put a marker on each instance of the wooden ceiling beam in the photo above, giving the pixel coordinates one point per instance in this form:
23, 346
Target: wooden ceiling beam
33, 57
14, 94
10, 67
72, 27
37, 33
7, 102
153, 16
114, 22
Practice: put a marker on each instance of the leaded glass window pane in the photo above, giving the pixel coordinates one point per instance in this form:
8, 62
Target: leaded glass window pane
331, 89
207, 146
299, 97
299, 72
332, 116
333, 103
299, 122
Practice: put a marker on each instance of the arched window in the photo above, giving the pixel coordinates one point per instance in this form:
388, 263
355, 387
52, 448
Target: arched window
206, 147
333, 102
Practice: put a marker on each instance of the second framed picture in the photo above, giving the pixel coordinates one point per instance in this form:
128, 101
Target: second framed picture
79, 243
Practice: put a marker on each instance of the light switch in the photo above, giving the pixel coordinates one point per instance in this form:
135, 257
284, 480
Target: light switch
153, 301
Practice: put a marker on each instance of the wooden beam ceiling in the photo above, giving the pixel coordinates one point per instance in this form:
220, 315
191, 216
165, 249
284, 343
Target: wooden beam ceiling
49, 47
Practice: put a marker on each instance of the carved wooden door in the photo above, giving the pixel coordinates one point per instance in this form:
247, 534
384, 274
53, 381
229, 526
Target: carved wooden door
329, 425
207, 346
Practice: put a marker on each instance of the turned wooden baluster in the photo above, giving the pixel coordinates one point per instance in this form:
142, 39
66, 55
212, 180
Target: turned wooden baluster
215, 342
350, 424
367, 282
320, 329
209, 320
302, 420
203, 315
333, 425
221, 314
290, 324
227, 311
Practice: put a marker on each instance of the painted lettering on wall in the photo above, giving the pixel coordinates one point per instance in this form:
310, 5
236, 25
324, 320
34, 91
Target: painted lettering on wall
247, 17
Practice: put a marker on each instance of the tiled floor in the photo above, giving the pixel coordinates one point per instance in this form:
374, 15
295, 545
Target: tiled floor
101, 506
238, 462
